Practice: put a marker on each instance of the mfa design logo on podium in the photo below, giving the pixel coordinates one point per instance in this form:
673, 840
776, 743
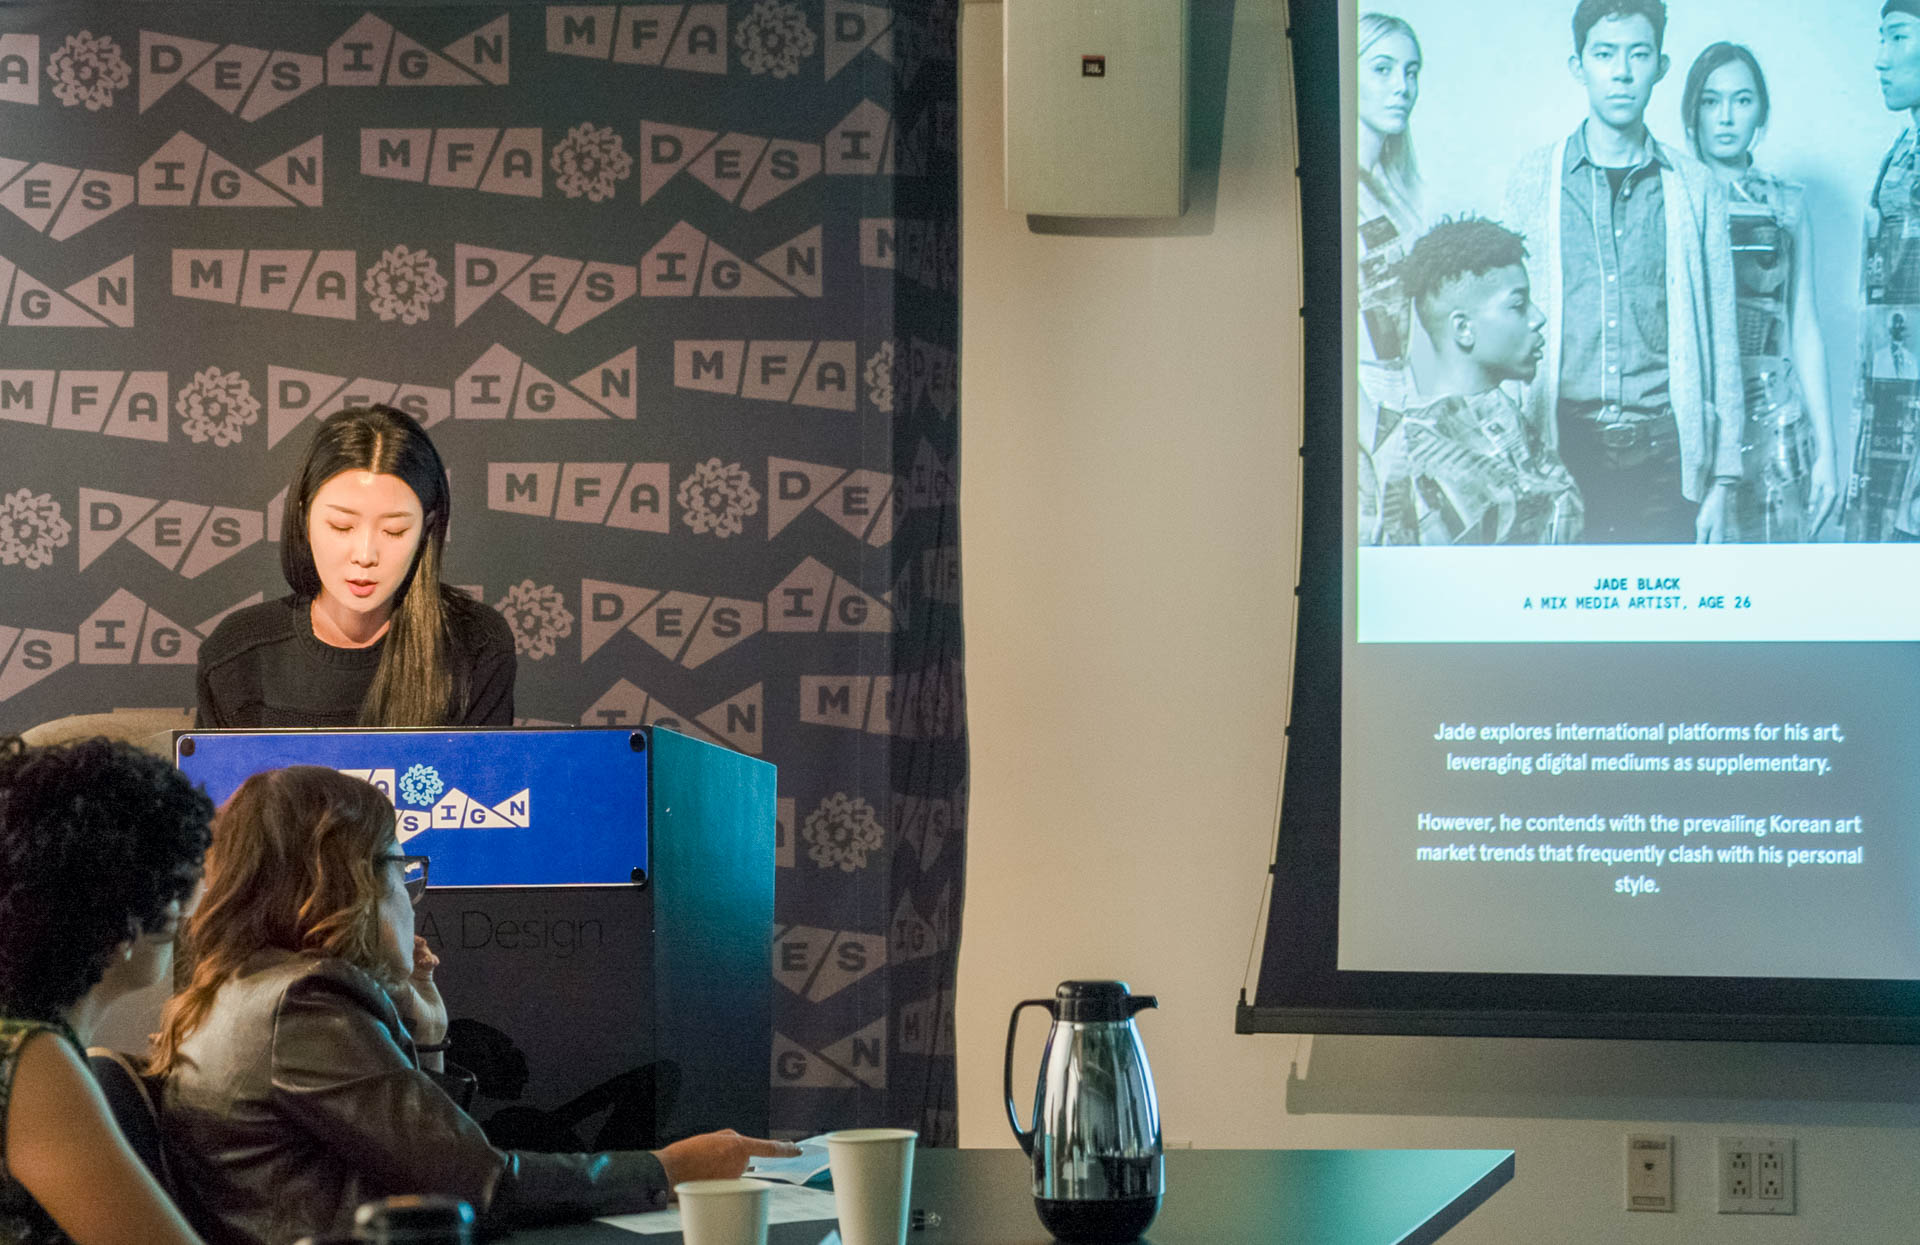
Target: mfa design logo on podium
423, 801
252, 82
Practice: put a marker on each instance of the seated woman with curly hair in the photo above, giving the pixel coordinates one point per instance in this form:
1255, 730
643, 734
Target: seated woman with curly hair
100, 847
298, 1058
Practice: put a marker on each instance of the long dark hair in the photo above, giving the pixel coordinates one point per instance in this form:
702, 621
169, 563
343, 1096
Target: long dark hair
414, 684
97, 839
292, 869
1711, 58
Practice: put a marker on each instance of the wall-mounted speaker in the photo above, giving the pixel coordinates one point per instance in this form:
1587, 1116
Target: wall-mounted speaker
1096, 107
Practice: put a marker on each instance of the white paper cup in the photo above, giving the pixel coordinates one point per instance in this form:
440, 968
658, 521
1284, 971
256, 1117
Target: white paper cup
723, 1212
872, 1174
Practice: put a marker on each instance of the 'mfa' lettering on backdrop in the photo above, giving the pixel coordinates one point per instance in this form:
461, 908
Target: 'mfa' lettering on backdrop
495, 161
19, 69
307, 283
250, 82
733, 723
687, 263
689, 37
803, 373
563, 293
182, 536
114, 404
715, 497
684, 627
95, 301
926, 704
928, 252
632, 496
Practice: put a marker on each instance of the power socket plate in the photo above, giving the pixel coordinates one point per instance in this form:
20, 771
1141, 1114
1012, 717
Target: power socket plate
1754, 1176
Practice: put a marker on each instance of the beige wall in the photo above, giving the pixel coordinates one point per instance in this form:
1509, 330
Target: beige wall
1128, 506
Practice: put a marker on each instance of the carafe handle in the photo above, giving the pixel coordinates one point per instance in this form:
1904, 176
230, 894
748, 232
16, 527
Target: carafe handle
1023, 1135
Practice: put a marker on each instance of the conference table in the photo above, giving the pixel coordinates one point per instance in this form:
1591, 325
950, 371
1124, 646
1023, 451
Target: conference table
1214, 1197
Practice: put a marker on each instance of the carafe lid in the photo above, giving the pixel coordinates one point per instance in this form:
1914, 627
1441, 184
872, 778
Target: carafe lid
1094, 1002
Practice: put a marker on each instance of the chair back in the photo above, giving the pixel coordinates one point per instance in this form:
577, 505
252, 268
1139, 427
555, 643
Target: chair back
135, 1103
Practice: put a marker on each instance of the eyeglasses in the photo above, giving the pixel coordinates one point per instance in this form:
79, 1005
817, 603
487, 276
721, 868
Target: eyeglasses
413, 874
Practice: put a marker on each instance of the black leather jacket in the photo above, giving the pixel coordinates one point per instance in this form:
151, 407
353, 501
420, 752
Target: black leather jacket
301, 1096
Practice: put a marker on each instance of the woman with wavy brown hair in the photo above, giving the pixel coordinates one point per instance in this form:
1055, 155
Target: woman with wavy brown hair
298, 1057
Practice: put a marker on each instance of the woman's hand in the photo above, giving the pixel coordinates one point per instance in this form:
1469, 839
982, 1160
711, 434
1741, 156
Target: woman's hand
425, 1010
717, 1156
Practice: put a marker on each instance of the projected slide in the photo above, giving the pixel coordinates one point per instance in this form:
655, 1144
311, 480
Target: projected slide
1631, 680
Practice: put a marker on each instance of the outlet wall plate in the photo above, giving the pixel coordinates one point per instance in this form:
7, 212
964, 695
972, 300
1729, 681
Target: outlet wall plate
1650, 1171
1754, 1176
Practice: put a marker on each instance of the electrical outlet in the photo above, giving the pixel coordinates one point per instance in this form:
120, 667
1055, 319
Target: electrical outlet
1736, 1171
1650, 1171
1756, 1176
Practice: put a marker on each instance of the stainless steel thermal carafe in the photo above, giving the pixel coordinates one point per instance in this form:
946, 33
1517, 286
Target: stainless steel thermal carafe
1095, 1142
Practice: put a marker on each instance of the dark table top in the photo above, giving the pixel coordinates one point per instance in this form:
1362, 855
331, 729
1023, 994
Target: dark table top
1214, 1197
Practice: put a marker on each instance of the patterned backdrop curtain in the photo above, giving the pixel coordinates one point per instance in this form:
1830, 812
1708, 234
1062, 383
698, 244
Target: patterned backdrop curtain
675, 288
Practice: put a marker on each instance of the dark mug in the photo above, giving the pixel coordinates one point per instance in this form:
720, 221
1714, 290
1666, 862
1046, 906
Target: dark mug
414, 1219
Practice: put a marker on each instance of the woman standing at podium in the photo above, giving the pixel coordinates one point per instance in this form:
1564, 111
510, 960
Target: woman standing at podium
369, 635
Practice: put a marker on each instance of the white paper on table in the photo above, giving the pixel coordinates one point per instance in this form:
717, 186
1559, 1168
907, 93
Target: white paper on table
810, 1162
787, 1204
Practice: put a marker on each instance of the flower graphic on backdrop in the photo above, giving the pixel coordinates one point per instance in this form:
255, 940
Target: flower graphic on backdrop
87, 69
841, 832
716, 497
405, 285
883, 376
538, 615
216, 406
774, 38
421, 785
31, 528
589, 161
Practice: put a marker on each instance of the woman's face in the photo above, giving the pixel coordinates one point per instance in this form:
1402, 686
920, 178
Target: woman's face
146, 959
396, 909
1729, 112
1389, 83
364, 529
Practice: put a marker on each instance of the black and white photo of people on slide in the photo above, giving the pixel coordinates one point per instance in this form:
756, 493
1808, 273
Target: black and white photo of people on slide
1638, 272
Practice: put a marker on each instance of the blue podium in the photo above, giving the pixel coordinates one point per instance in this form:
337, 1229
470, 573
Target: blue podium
602, 903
